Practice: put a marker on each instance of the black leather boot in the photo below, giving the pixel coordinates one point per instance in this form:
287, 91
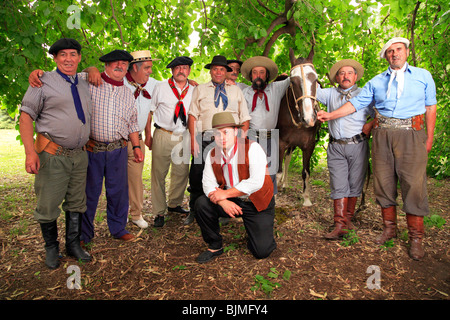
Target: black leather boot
73, 232
50, 235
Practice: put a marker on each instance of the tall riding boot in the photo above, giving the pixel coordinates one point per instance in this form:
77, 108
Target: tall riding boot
416, 231
351, 205
390, 224
73, 232
50, 235
340, 221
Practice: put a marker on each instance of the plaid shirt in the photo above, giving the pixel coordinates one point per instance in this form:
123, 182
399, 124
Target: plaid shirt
114, 113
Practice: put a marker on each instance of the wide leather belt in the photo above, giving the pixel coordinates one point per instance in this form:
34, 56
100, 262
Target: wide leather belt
43, 142
414, 123
95, 146
263, 134
353, 140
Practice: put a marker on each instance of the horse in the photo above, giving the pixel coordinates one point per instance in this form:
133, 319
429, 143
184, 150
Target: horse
297, 120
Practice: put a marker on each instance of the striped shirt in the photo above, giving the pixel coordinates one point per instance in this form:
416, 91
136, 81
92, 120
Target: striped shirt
52, 108
114, 113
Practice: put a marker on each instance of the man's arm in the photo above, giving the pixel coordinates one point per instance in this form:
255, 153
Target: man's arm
32, 163
430, 116
138, 155
195, 149
344, 110
148, 132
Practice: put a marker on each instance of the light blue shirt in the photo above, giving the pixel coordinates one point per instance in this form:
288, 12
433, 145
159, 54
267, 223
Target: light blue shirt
419, 91
348, 126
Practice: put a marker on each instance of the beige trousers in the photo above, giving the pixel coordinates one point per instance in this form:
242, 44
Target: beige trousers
135, 184
169, 151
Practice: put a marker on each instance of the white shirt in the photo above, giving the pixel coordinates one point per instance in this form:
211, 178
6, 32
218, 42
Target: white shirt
261, 118
142, 103
257, 168
163, 105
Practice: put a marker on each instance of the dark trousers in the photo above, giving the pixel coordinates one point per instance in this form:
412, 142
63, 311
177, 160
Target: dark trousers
112, 167
258, 225
196, 170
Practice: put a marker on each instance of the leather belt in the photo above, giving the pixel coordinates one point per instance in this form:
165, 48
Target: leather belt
165, 130
95, 146
414, 123
43, 142
353, 140
263, 134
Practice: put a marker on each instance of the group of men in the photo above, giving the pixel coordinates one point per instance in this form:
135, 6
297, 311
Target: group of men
89, 129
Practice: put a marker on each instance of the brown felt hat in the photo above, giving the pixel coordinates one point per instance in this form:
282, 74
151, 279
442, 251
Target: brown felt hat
224, 119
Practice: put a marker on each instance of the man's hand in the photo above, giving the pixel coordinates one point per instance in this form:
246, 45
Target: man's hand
32, 162
217, 195
230, 208
94, 76
138, 155
33, 79
148, 141
323, 116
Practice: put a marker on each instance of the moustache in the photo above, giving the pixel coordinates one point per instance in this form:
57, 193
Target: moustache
118, 69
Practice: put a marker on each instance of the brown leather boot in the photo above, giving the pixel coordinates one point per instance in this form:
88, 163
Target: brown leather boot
340, 221
416, 231
351, 205
390, 224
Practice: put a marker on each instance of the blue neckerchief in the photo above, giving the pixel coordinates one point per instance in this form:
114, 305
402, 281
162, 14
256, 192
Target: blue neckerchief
75, 95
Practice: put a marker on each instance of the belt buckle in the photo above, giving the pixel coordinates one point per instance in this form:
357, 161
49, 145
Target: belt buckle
111, 146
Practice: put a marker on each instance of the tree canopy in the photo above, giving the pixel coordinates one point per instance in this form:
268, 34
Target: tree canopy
237, 29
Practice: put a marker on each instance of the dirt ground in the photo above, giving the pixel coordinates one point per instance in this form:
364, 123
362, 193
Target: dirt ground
160, 263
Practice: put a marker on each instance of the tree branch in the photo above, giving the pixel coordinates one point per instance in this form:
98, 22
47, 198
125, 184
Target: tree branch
117, 22
413, 24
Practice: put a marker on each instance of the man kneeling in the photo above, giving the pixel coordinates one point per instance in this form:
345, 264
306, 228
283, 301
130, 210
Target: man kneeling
237, 183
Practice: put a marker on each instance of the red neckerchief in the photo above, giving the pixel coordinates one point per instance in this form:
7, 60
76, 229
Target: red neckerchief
255, 98
227, 161
111, 81
139, 88
180, 112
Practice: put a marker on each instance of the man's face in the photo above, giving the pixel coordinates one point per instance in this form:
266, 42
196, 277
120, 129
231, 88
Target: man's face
225, 138
218, 74
346, 77
67, 61
396, 55
142, 73
116, 70
233, 75
181, 73
259, 77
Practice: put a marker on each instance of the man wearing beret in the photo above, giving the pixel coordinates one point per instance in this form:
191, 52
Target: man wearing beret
348, 150
114, 122
208, 99
61, 111
405, 100
170, 146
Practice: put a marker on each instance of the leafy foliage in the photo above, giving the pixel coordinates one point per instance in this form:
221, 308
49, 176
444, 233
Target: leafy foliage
236, 29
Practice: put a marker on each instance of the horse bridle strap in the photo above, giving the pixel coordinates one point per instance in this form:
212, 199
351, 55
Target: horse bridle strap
303, 80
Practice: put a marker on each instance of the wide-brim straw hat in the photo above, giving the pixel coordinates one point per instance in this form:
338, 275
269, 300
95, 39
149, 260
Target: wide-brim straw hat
224, 119
346, 63
143, 55
259, 61
391, 42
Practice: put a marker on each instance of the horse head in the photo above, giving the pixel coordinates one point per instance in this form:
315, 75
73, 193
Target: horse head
303, 87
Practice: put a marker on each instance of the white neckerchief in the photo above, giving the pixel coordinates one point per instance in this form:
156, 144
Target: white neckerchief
400, 77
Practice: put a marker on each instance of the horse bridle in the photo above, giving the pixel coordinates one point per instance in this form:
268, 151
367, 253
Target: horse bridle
296, 100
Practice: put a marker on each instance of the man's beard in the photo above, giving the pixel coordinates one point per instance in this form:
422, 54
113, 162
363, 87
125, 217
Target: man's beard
258, 84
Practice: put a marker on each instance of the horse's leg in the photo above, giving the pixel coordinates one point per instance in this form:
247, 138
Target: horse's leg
281, 158
305, 176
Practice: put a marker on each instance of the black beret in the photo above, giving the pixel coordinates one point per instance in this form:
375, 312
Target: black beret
116, 55
180, 61
64, 43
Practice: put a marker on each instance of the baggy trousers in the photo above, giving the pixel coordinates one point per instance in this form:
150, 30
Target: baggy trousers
258, 225
112, 167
